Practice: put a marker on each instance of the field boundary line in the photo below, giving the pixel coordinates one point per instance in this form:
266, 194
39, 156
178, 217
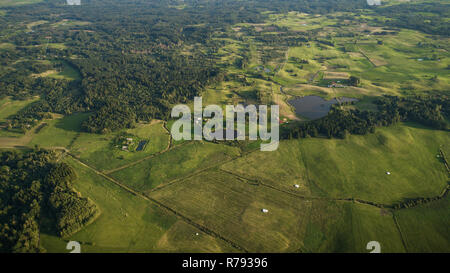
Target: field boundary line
400, 232
187, 176
159, 204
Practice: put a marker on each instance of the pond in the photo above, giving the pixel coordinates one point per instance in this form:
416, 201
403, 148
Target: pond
141, 145
314, 107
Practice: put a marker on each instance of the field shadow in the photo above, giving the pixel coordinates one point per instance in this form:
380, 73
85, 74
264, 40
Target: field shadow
73, 122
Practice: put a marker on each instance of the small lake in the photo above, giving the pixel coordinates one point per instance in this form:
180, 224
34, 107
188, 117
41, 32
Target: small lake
314, 107
141, 145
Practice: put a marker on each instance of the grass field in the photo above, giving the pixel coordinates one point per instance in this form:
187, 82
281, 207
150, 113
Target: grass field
174, 164
282, 168
59, 132
426, 228
232, 207
355, 167
8, 3
98, 150
130, 224
9, 107
68, 71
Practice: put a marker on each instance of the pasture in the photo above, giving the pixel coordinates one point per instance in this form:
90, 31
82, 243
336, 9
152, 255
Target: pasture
98, 150
425, 228
233, 207
355, 167
174, 164
130, 224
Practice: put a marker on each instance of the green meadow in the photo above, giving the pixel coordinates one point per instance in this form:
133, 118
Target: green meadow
98, 150
8, 3
59, 132
129, 223
233, 207
425, 228
355, 167
9, 107
177, 163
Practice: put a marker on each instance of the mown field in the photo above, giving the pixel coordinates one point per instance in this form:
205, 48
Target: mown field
355, 167
179, 162
130, 224
425, 228
233, 207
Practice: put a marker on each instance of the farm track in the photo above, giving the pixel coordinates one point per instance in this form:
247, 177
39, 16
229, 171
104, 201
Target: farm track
161, 205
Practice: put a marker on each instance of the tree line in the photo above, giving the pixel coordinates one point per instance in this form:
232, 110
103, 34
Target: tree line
432, 111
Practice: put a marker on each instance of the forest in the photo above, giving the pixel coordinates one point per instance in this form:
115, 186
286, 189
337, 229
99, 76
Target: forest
35, 187
130, 59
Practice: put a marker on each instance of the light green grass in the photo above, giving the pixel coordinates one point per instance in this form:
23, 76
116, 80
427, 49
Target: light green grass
69, 72
130, 224
9, 107
98, 150
282, 168
233, 208
8, 3
176, 163
356, 167
426, 228
59, 132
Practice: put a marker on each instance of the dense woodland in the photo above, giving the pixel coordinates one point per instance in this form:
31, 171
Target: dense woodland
33, 187
132, 54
